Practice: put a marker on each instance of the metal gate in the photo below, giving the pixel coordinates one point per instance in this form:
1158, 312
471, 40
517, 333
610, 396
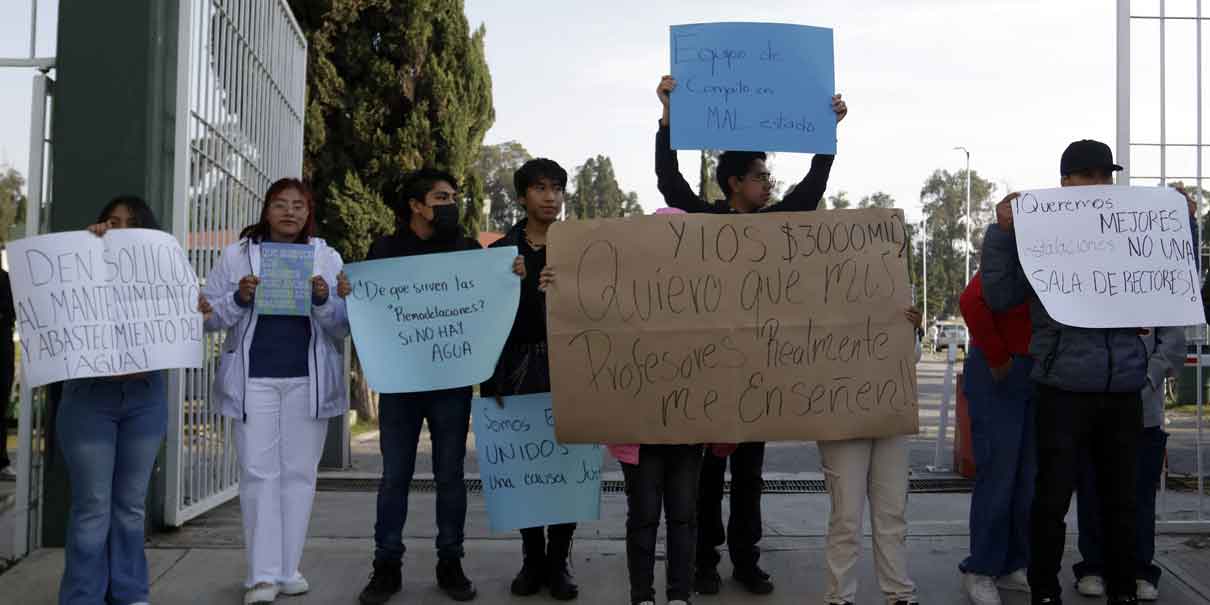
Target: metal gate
32, 442
1159, 141
240, 105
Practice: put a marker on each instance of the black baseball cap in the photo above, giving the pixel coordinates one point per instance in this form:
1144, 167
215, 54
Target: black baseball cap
1086, 155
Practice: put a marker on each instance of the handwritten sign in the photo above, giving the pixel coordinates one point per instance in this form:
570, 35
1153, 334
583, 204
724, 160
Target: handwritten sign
705, 328
285, 279
753, 87
435, 321
1110, 256
529, 478
91, 306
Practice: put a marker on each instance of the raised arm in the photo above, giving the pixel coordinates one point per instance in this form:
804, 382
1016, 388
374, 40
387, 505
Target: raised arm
672, 184
809, 192
1004, 282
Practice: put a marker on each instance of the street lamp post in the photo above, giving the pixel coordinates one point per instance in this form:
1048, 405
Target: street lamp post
966, 247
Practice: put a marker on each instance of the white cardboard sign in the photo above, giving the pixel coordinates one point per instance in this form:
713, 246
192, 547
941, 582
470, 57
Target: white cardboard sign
1110, 256
104, 306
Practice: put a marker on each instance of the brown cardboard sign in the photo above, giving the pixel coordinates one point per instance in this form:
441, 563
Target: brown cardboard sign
731, 328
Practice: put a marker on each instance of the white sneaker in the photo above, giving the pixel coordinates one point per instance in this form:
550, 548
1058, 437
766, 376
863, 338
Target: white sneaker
981, 590
295, 587
8, 473
1016, 581
1146, 591
264, 592
1091, 586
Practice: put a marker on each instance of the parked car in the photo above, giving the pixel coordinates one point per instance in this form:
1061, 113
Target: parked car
949, 332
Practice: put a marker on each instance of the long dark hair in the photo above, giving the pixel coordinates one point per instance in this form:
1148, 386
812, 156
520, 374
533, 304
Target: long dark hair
143, 215
259, 231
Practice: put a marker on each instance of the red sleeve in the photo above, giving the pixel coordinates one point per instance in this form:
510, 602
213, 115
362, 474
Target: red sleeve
982, 323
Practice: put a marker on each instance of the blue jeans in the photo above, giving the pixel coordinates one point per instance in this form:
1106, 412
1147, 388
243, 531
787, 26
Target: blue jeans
109, 432
1152, 442
399, 419
1002, 435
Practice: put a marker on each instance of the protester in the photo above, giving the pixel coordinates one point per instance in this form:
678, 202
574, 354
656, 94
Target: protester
281, 378
110, 430
874, 470
1165, 353
1000, 398
524, 367
745, 181
426, 222
1087, 400
8, 318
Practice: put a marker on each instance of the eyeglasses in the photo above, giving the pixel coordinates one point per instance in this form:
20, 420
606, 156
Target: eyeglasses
763, 177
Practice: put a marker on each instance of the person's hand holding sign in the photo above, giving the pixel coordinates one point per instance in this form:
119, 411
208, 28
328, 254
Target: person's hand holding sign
546, 279
319, 289
343, 287
665, 88
247, 288
203, 306
519, 266
1004, 212
839, 107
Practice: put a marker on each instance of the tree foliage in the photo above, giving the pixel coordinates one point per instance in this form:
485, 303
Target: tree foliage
495, 168
840, 201
597, 193
944, 200
877, 199
12, 203
391, 87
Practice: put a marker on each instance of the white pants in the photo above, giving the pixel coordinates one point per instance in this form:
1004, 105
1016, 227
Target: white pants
279, 449
855, 470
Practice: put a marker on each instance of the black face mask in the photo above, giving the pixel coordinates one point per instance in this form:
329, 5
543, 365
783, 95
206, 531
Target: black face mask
445, 222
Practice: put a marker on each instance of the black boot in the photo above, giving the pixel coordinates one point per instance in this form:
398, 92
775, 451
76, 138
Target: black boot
558, 551
385, 581
533, 566
754, 580
453, 581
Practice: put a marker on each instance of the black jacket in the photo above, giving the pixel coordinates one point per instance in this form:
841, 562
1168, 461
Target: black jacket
405, 242
678, 194
523, 366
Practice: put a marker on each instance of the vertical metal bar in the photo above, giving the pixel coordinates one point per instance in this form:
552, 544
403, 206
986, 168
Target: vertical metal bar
1201, 491
33, 28
1163, 95
1123, 99
37, 157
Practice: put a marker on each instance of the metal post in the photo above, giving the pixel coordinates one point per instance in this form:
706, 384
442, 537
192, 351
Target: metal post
1123, 98
33, 28
947, 392
924, 263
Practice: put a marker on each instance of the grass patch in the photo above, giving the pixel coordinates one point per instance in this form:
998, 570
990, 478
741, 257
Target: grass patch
1189, 409
362, 427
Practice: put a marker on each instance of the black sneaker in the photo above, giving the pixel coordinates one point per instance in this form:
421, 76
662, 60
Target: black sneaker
754, 580
530, 579
453, 581
385, 581
707, 581
562, 588
1047, 601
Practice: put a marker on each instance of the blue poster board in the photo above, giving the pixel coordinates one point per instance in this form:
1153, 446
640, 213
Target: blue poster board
434, 321
285, 279
529, 478
753, 87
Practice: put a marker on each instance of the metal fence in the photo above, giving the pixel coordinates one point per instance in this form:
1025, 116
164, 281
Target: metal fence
32, 429
1160, 141
240, 105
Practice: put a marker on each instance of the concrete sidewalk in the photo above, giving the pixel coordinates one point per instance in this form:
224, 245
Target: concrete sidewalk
204, 563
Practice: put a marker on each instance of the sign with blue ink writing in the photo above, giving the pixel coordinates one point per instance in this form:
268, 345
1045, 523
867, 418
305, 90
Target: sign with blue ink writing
285, 279
91, 306
1110, 256
436, 321
529, 478
753, 87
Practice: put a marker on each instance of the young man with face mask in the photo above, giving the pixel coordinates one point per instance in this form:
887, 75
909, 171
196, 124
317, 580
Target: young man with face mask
744, 179
427, 222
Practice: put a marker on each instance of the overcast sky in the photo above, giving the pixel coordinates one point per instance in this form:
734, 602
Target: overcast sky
1012, 80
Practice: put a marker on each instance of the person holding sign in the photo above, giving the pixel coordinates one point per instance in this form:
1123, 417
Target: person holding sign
1088, 401
744, 178
110, 430
426, 222
524, 368
1166, 353
1000, 394
280, 377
